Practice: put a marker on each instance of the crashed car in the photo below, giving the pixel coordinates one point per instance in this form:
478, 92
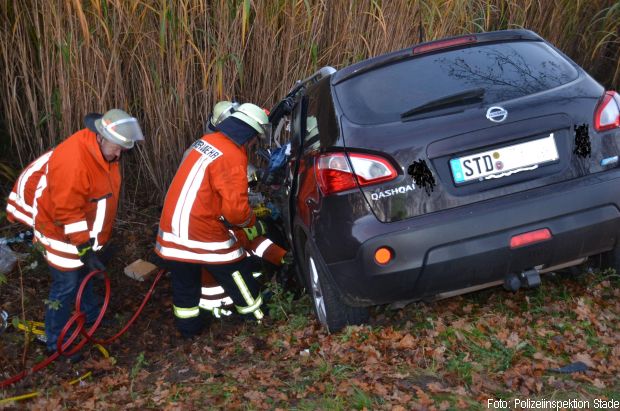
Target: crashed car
444, 168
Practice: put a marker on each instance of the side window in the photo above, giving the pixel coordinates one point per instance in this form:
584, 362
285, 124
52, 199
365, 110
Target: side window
298, 125
312, 140
321, 128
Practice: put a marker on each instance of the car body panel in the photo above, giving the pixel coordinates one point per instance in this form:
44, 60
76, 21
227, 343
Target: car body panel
446, 235
470, 245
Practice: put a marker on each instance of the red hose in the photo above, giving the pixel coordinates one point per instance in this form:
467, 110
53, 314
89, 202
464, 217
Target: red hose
79, 319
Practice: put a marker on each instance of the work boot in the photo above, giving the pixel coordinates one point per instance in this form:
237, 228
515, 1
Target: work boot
71, 359
41, 339
106, 322
190, 336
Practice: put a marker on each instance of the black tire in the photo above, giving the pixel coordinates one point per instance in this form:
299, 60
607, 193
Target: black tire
611, 259
331, 311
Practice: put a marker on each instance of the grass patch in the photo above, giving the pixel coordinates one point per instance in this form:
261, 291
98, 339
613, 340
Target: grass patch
361, 400
283, 306
324, 403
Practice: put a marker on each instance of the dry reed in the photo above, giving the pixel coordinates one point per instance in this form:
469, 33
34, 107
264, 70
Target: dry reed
167, 62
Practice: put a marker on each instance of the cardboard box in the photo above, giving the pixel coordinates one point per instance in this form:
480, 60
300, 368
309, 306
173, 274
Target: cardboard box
140, 269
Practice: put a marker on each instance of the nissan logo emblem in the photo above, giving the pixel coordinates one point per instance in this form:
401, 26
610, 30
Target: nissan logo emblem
497, 114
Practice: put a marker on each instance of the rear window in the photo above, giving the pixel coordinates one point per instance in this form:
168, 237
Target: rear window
504, 70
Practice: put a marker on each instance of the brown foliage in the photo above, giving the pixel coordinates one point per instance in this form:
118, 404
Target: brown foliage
168, 62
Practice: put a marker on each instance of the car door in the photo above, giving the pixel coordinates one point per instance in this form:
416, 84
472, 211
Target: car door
291, 181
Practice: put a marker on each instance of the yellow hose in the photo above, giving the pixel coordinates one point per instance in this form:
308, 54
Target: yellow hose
82, 377
33, 327
103, 351
20, 397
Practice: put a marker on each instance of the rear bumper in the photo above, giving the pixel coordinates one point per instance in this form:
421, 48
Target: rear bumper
469, 246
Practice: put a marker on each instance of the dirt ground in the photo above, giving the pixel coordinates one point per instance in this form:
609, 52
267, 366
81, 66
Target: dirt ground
453, 354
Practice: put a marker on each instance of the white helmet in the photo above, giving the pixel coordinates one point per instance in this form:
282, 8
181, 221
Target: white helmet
116, 126
312, 128
221, 111
253, 116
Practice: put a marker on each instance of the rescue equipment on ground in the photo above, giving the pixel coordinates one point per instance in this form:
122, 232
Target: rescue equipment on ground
78, 319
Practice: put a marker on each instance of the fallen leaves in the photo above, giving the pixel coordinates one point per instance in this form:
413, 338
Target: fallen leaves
513, 340
255, 397
584, 358
449, 355
407, 342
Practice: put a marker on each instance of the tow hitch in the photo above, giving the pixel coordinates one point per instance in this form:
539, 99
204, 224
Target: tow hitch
526, 279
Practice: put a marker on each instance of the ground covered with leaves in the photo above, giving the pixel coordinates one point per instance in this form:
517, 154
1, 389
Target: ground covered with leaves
453, 354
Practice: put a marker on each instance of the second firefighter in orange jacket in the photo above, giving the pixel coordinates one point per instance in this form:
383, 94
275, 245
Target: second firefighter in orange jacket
209, 188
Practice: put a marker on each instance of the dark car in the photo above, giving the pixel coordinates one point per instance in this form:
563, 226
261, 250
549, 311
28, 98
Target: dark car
448, 167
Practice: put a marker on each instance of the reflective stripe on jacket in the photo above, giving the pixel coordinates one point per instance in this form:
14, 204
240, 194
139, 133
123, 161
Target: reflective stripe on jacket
261, 247
211, 183
213, 295
20, 205
78, 200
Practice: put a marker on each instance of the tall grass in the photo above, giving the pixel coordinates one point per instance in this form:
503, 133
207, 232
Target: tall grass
168, 61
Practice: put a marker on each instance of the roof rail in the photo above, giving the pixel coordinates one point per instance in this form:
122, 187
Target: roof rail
285, 106
315, 77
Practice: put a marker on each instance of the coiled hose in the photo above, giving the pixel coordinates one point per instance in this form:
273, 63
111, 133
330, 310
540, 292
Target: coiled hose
79, 319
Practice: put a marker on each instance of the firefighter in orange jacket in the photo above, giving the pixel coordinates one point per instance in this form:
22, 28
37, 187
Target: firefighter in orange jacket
257, 245
210, 190
75, 206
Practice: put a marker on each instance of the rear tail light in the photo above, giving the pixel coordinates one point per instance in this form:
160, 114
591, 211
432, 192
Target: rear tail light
334, 173
443, 44
607, 114
530, 237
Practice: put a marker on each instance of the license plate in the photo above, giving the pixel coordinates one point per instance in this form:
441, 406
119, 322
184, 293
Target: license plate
504, 161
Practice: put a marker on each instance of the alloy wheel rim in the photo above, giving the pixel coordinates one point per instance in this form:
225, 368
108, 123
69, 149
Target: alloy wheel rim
317, 294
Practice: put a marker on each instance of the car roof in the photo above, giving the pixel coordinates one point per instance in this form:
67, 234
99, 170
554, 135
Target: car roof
372, 63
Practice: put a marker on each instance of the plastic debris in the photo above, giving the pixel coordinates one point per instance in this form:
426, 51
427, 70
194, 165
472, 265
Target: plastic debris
279, 157
19, 238
4, 321
7, 259
577, 366
274, 211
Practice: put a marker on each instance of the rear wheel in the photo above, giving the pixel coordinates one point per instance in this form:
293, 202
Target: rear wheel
333, 313
611, 259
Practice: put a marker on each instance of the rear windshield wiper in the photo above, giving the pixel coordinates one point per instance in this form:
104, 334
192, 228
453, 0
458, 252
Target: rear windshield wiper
458, 99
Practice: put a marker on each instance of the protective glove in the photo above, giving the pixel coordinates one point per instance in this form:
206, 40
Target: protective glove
257, 230
289, 104
287, 259
89, 258
255, 177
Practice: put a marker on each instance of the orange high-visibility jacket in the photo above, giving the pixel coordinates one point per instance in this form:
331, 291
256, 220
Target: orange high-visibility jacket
211, 183
261, 247
78, 200
21, 203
